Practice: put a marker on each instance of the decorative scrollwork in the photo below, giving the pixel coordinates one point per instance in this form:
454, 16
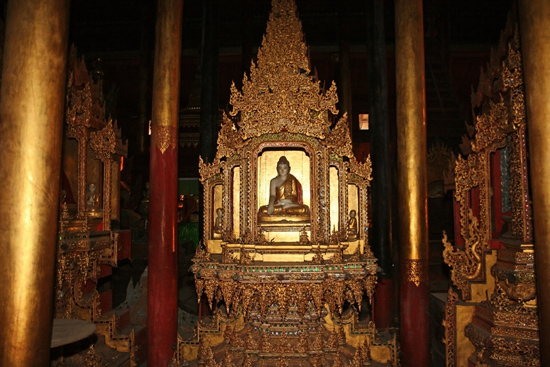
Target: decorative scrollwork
339, 140
103, 142
466, 264
415, 271
207, 171
165, 137
504, 328
280, 94
450, 328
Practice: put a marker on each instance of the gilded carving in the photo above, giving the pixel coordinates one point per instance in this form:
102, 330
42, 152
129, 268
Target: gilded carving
450, 328
500, 121
165, 137
229, 139
472, 173
79, 93
103, 142
338, 141
467, 263
81, 252
415, 271
503, 328
280, 95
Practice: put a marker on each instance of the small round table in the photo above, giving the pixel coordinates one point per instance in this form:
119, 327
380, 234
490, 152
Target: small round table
67, 331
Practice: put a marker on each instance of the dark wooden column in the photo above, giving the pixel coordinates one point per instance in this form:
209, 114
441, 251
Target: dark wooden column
31, 121
209, 79
380, 232
144, 75
344, 69
412, 189
534, 18
162, 299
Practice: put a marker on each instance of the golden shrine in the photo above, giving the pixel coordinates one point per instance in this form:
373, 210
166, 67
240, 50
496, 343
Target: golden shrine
491, 313
285, 261
88, 247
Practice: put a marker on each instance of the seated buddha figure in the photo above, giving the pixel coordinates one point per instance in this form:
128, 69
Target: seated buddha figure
218, 224
351, 229
285, 198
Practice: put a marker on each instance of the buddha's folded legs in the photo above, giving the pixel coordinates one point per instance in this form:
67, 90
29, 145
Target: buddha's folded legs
280, 209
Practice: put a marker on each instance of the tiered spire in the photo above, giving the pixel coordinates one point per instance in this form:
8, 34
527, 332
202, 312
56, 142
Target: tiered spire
281, 95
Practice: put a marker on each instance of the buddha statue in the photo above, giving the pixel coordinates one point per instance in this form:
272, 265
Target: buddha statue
93, 205
218, 224
285, 198
92, 199
351, 229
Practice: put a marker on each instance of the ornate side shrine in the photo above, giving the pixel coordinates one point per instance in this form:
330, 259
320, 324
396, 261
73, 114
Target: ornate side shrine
285, 261
88, 248
492, 319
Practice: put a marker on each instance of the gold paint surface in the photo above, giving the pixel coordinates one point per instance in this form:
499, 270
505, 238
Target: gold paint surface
464, 347
283, 258
189, 352
534, 16
237, 201
31, 115
352, 247
334, 194
166, 75
479, 291
381, 353
279, 236
411, 129
214, 246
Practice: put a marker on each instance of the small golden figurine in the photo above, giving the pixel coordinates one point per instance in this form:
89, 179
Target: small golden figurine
218, 224
285, 197
92, 199
352, 225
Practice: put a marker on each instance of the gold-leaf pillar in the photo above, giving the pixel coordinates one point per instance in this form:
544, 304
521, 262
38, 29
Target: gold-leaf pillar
534, 18
162, 298
412, 177
31, 120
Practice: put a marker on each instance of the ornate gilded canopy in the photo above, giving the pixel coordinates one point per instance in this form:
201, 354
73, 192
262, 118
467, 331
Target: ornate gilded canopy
283, 110
281, 253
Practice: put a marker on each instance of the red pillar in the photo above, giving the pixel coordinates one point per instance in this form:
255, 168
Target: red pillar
382, 304
162, 301
412, 183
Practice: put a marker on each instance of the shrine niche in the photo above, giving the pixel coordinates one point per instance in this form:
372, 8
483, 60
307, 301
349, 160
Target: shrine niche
88, 245
285, 263
491, 313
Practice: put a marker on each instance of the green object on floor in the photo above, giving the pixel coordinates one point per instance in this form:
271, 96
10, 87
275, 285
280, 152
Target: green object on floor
188, 231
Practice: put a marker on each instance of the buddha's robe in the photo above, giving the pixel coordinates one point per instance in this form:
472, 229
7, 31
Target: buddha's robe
288, 199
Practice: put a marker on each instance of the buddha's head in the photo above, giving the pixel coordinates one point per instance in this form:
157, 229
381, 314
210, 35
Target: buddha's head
283, 166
